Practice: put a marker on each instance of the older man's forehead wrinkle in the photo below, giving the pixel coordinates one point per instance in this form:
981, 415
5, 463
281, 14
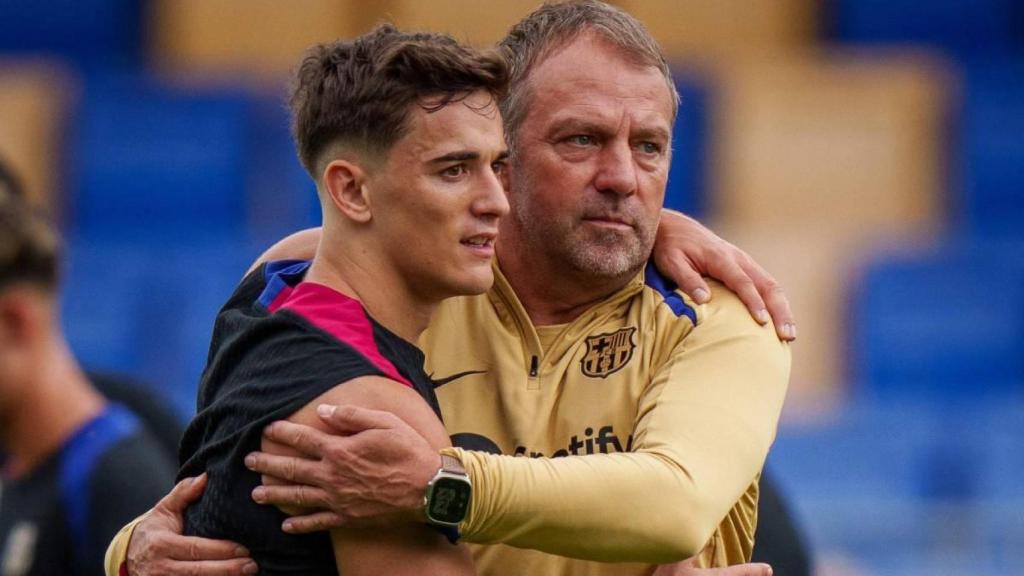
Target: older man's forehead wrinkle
598, 117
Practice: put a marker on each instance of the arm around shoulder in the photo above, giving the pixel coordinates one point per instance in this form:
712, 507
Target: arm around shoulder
703, 429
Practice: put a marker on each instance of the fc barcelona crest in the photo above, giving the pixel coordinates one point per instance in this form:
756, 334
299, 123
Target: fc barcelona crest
608, 353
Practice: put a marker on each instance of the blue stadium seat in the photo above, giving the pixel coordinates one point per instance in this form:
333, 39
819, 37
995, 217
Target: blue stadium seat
87, 32
149, 315
155, 164
687, 180
960, 27
282, 196
990, 193
943, 323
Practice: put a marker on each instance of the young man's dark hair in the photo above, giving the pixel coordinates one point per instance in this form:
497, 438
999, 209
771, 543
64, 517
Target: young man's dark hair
358, 93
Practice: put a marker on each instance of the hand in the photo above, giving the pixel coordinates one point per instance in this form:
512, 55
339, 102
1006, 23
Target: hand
157, 546
689, 568
685, 250
374, 473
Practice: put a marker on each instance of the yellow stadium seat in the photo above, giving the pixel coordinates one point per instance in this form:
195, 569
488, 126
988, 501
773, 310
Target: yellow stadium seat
249, 37
816, 161
851, 141
472, 21
722, 28
33, 108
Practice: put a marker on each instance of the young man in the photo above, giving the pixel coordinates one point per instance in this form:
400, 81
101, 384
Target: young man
75, 467
403, 137
664, 408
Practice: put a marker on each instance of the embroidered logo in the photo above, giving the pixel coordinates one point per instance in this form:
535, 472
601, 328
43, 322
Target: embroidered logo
608, 353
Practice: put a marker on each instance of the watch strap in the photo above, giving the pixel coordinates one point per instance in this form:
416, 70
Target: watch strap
452, 465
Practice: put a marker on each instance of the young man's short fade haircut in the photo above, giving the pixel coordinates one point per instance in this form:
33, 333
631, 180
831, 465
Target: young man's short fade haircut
359, 93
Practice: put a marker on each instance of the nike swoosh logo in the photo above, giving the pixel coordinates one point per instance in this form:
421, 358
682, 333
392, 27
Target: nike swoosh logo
442, 381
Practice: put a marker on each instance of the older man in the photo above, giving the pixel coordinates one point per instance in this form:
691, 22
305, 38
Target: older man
644, 416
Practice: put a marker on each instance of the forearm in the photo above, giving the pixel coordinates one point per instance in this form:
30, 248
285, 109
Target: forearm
117, 552
615, 507
702, 433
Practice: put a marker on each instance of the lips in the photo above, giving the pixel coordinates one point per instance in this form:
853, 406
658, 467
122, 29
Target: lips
610, 220
482, 240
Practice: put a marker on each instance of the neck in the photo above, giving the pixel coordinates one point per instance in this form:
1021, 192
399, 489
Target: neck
356, 271
55, 403
550, 292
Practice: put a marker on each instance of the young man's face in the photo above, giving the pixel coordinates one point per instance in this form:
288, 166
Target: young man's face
439, 195
592, 159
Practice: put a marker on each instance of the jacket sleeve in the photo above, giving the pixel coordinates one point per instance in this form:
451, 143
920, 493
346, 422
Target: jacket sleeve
701, 435
117, 552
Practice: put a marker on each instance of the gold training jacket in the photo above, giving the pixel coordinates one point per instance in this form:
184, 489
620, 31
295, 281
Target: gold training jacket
670, 405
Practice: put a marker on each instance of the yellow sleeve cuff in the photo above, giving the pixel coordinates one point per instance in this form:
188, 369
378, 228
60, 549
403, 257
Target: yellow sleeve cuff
117, 552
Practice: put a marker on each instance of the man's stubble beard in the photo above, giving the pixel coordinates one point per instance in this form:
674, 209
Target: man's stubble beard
587, 251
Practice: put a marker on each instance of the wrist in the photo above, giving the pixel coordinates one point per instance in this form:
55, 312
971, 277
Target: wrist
425, 473
448, 494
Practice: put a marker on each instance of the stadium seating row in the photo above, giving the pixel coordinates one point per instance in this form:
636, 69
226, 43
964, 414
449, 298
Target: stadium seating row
810, 160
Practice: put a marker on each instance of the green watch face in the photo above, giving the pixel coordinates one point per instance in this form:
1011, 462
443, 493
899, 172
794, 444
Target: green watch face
448, 501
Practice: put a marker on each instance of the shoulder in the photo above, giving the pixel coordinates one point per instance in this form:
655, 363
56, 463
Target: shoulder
665, 292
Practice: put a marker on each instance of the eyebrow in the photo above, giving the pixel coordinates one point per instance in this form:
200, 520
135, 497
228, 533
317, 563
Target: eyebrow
654, 133
574, 124
463, 156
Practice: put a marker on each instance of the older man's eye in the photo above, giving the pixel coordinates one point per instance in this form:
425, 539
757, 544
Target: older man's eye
650, 148
582, 140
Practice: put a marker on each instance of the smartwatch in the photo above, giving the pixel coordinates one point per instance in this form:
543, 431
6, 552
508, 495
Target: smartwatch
448, 494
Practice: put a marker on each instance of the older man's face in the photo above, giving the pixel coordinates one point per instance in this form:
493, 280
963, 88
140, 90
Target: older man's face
591, 160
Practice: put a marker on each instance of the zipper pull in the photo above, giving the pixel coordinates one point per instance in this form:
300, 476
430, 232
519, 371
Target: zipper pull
533, 366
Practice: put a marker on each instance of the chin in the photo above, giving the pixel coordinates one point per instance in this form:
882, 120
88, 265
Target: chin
475, 282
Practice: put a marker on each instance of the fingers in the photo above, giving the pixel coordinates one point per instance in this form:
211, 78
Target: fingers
193, 548
234, 567
316, 522
305, 439
289, 468
736, 279
775, 300
742, 570
685, 275
689, 568
354, 419
300, 495
184, 493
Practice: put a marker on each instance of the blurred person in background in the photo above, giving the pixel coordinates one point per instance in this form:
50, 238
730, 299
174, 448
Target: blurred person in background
76, 467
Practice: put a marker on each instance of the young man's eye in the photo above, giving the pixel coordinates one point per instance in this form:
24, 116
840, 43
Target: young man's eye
454, 171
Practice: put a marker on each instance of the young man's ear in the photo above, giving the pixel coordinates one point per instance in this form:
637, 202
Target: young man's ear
345, 184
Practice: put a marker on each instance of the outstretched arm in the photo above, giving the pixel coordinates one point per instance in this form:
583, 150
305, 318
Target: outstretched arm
671, 492
685, 250
153, 544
